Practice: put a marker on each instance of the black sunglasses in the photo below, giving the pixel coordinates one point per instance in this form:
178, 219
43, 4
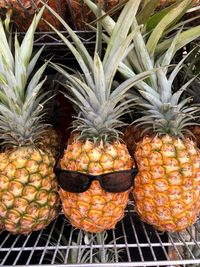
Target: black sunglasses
77, 182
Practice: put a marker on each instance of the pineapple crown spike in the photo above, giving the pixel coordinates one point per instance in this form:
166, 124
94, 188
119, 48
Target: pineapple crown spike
21, 97
100, 106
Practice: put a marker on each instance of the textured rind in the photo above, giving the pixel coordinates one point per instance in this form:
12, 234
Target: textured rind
95, 210
28, 190
51, 140
167, 187
24, 10
132, 135
196, 132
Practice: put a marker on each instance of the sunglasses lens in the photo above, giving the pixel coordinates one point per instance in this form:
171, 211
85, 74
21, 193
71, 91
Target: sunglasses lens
117, 182
73, 182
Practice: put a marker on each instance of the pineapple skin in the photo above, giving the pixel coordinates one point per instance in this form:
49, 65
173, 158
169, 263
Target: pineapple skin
95, 210
22, 13
196, 132
51, 141
167, 187
132, 135
29, 199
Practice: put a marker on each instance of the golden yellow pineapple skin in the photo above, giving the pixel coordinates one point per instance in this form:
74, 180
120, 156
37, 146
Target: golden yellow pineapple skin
95, 210
29, 200
167, 187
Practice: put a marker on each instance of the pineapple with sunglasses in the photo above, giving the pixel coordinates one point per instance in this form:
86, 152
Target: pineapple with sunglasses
95, 203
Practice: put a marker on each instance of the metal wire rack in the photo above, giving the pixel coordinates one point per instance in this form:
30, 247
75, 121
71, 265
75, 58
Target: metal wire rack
52, 39
132, 243
56, 48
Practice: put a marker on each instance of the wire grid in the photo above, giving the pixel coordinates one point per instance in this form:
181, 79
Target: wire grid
131, 243
52, 39
56, 48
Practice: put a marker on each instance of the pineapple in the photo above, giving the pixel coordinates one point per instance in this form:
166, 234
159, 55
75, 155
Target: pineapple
29, 199
169, 162
133, 134
24, 10
51, 140
97, 149
167, 187
133, 64
168, 170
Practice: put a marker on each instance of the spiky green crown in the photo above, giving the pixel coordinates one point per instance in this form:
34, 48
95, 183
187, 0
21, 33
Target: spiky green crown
21, 99
162, 111
99, 106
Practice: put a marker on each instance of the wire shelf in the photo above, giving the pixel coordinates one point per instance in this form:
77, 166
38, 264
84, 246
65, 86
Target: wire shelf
54, 46
52, 39
132, 243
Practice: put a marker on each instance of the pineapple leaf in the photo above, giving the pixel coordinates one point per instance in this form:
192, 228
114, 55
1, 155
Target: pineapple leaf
107, 22
5, 48
100, 84
178, 67
119, 40
30, 99
142, 54
126, 71
167, 57
126, 85
5, 111
158, 16
176, 96
83, 89
27, 43
3, 98
80, 98
143, 15
180, 106
184, 38
154, 101
164, 24
115, 57
98, 45
10, 88
79, 46
95, 104
33, 62
31, 88
20, 71
164, 87
79, 56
